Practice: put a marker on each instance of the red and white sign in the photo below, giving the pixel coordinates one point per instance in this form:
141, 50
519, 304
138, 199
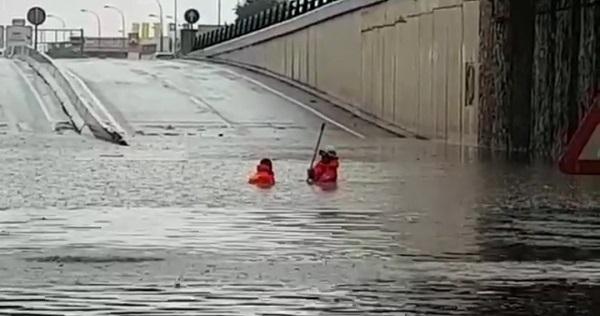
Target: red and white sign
583, 153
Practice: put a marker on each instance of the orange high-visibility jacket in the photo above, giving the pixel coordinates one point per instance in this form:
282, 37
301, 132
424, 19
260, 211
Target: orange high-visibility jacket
326, 172
264, 177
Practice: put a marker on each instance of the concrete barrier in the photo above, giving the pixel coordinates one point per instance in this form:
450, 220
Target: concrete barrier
409, 64
68, 95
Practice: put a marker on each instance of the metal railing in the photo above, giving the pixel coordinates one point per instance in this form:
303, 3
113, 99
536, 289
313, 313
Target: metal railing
61, 42
279, 13
47, 69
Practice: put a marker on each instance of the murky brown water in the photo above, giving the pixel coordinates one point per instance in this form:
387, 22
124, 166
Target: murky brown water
169, 227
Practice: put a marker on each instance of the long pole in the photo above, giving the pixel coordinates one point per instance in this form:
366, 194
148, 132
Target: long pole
123, 23
175, 36
219, 12
160, 8
97, 19
314, 157
122, 14
99, 24
35, 45
62, 21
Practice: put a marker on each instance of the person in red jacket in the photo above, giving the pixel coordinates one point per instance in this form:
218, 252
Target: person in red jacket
326, 170
264, 176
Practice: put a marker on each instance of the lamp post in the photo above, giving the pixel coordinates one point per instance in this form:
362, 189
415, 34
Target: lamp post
160, 8
175, 21
62, 21
168, 17
123, 23
97, 19
64, 26
219, 12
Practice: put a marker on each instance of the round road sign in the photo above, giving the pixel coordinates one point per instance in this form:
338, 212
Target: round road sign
36, 16
192, 16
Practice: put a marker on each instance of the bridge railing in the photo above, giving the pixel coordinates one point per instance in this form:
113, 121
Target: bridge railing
279, 13
47, 69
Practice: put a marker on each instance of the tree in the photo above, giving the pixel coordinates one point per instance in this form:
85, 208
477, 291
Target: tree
252, 7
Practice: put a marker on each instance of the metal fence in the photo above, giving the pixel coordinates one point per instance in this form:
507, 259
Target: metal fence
61, 42
279, 13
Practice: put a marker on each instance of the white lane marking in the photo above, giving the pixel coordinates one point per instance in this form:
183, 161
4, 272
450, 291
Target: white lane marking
97, 102
300, 104
203, 103
36, 94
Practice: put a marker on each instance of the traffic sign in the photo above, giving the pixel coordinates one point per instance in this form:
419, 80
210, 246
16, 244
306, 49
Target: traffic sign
36, 16
192, 16
583, 152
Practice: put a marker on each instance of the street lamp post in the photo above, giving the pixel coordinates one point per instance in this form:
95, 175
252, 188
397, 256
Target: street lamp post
219, 12
154, 16
168, 17
64, 26
123, 23
62, 21
175, 21
97, 19
160, 8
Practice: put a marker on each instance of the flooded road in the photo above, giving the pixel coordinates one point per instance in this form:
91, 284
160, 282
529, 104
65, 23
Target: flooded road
168, 226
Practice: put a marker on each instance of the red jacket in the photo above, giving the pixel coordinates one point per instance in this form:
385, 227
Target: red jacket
326, 172
263, 178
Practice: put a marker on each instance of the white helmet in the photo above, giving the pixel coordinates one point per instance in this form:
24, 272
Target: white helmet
330, 150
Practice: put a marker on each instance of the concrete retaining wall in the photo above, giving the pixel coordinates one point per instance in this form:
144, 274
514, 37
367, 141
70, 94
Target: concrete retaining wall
405, 62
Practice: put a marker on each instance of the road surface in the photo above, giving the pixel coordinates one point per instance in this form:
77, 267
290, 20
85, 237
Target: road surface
159, 98
20, 109
168, 226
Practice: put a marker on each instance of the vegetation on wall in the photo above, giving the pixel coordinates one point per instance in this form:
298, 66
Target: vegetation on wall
251, 7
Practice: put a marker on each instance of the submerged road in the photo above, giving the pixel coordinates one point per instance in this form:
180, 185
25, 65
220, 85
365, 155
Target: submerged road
20, 108
168, 226
168, 98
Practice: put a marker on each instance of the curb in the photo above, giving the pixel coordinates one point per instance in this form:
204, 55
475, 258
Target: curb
99, 129
352, 109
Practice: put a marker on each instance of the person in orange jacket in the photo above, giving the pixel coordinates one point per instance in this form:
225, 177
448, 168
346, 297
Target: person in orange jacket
326, 170
264, 176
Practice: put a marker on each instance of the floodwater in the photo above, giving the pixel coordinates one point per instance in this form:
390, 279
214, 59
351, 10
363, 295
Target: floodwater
169, 226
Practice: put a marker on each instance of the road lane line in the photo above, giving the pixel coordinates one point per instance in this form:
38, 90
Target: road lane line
36, 95
300, 104
97, 102
201, 102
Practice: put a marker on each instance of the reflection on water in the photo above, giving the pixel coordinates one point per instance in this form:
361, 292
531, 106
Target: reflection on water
413, 228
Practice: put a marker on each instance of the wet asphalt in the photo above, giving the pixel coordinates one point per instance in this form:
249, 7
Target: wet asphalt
168, 225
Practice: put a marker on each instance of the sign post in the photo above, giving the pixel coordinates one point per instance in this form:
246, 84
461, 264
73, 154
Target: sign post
192, 16
1, 37
37, 17
188, 34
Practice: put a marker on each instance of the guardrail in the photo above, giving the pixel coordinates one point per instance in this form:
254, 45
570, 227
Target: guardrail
45, 66
281, 12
